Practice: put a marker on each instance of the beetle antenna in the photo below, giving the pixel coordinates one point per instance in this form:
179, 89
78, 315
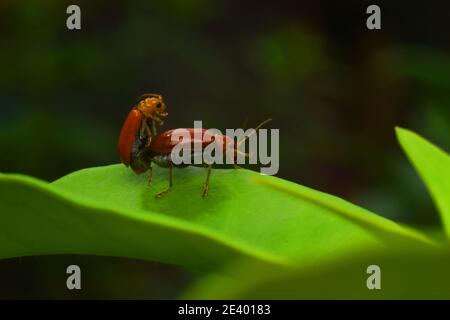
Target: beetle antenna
244, 122
249, 154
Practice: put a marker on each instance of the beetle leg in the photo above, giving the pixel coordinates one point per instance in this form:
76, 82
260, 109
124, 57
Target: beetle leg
149, 133
143, 129
206, 187
163, 193
155, 118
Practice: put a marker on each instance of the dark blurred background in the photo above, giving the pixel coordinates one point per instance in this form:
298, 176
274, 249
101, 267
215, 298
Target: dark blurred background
334, 88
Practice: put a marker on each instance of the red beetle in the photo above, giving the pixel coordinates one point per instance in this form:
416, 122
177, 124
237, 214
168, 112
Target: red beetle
140, 126
161, 148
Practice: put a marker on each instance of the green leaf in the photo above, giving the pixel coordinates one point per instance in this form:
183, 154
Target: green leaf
433, 165
110, 211
38, 219
404, 274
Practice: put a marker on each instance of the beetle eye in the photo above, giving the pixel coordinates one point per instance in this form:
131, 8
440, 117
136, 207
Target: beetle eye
158, 105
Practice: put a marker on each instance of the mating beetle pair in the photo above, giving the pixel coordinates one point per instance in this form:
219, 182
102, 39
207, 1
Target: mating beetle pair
140, 146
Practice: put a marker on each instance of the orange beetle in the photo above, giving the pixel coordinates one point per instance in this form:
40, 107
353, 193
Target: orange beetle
140, 123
